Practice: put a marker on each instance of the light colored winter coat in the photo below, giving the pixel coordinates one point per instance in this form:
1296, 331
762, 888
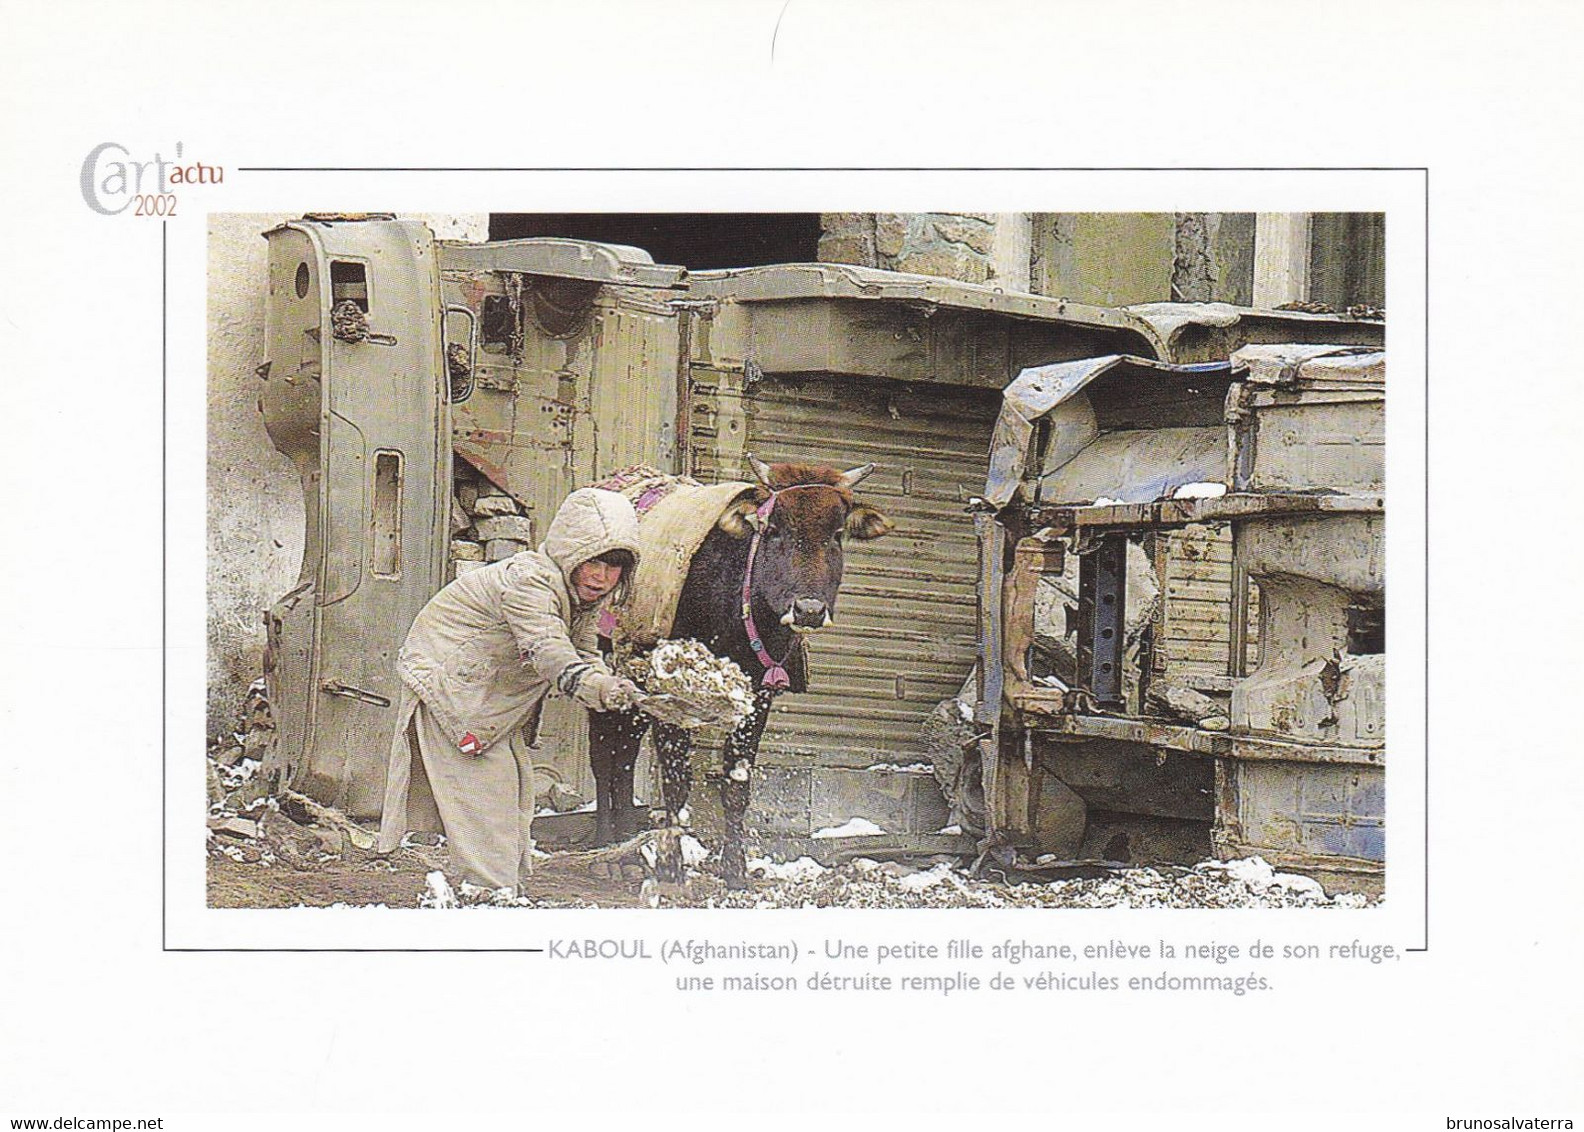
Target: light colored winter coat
484, 651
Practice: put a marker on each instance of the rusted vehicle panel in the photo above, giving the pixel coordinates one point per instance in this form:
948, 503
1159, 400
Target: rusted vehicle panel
354, 394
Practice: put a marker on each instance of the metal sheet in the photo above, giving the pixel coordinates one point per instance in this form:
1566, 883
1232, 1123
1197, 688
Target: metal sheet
371, 571
1196, 634
564, 259
1055, 392
1319, 809
1138, 465
562, 412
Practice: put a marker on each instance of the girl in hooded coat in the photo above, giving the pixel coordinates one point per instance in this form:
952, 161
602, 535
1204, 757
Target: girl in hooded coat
476, 666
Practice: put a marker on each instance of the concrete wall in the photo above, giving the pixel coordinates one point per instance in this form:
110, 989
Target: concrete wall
1120, 258
1213, 258
255, 506
1109, 259
975, 247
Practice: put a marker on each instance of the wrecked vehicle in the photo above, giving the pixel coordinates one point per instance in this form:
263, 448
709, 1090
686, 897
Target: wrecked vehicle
1247, 715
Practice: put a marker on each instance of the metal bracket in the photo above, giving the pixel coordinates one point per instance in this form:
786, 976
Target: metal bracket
336, 688
1102, 616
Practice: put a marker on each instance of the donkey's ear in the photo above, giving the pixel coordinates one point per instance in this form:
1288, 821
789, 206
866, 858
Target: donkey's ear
866, 523
741, 519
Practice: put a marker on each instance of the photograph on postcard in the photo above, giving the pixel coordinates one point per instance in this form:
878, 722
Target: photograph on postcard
859, 560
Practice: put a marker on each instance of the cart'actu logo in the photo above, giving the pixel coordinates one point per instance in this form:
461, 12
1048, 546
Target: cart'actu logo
112, 182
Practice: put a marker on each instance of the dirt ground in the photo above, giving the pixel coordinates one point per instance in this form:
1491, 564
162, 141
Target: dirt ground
400, 881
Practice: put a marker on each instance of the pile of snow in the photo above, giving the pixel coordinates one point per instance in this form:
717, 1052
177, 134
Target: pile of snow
1200, 491
439, 894
853, 827
804, 868
710, 686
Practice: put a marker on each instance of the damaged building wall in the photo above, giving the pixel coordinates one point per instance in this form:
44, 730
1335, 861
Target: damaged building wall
1120, 258
1213, 258
254, 499
974, 247
1108, 259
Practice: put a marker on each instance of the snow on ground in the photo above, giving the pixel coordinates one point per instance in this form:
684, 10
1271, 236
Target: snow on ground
804, 868
863, 883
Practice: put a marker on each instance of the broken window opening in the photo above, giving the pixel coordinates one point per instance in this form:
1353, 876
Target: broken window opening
497, 324
349, 281
459, 333
386, 521
1366, 630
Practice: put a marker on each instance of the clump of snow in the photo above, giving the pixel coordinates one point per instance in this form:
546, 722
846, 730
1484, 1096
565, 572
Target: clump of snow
1107, 501
233, 776
711, 686
804, 868
902, 768
853, 827
693, 851
953, 830
917, 882
439, 893
1258, 875
1200, 491
1255, 872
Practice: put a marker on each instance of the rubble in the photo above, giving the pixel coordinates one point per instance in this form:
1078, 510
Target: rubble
493, 506
517, 527
862, 883
1190, 705
498, 549
951, 739
487, 524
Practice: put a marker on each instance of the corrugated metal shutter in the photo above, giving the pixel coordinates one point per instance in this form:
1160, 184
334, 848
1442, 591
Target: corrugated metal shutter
904, 633
1197, 634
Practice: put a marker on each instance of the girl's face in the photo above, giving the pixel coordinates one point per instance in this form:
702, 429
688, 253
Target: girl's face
594, 579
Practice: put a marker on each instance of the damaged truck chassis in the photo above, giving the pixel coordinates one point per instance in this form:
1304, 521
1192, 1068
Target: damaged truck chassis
1275, 747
